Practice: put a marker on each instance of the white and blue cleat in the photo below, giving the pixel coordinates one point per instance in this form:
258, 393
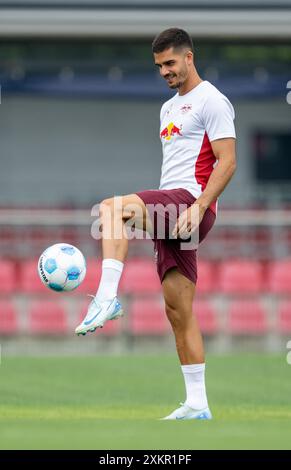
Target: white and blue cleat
185, 412
98, 314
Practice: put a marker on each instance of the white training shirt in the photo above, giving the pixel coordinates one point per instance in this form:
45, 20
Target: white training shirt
188, 124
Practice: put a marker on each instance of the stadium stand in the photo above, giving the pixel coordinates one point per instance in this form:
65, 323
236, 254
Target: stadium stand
148, 317
279, 277
92, 278
206, 316
29, 278
247, 317
206, 280
8, 318
7, 277
140, 277
240, 276
46, 317
284, 317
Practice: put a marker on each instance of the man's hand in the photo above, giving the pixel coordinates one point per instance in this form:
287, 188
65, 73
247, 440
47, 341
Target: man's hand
189, 220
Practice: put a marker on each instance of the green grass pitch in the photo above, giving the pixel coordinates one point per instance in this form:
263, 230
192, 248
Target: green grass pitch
115, 402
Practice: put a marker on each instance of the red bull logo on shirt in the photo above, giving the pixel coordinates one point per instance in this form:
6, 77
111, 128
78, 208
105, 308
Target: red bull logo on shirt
169, 131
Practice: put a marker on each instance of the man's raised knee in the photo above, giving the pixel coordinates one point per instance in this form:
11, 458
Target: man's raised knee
107, 208
106, 202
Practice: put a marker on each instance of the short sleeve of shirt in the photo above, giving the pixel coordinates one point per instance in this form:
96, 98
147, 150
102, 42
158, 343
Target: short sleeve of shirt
218, 116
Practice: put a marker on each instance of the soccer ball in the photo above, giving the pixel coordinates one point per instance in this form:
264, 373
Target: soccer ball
62, 267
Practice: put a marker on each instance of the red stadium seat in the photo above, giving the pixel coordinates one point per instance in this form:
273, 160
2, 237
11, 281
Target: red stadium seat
29, 280
8, 318
205, 282
247, 317
279, 277
240, 277
47, 317
284, 317
111, 328
92, 278
206, 317
7, 277
140, 277
148, 317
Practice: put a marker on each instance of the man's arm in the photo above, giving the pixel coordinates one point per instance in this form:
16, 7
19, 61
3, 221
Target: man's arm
224, 151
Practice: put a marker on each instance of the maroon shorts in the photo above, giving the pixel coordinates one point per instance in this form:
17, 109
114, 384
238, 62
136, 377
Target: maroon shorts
168, 251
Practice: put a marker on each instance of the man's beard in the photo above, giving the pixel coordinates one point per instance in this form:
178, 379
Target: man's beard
177, 84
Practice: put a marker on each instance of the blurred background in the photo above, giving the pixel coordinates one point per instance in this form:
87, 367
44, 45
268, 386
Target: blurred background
79, 122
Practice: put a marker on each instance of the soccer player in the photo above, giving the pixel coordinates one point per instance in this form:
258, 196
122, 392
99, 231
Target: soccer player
198, 140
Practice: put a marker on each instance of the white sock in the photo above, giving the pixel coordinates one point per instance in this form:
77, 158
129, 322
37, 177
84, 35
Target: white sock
111, 273
194, 376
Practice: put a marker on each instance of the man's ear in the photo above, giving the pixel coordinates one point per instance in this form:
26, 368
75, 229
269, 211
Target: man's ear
189, 57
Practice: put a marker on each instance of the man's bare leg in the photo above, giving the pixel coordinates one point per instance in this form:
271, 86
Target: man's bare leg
114, 213
179, 294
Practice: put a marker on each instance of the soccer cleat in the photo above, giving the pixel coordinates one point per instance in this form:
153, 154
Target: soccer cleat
185, 412
98, 314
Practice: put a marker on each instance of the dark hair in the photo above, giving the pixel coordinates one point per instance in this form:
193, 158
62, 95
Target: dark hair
172, 37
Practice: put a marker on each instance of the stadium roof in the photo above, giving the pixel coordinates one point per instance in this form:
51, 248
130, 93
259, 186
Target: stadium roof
266, 19
147, 3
